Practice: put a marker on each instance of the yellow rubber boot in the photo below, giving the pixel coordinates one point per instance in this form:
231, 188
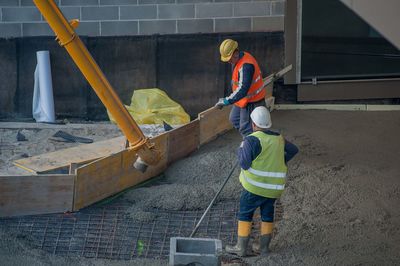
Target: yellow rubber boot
262, 246
244, 230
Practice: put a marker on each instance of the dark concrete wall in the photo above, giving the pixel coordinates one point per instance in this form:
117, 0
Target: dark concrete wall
8, 77
189, 70
129, 63
187, 67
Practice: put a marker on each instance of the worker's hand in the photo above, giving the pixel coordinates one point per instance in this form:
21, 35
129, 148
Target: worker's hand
221, 103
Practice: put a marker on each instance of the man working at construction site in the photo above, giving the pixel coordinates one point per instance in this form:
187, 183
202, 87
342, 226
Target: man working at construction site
247, 86
262, 156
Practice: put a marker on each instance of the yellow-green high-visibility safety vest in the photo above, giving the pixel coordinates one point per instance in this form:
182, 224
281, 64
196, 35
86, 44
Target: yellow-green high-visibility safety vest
266, 176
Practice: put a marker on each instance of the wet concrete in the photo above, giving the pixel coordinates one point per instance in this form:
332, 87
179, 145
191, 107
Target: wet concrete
340, 204
191, 183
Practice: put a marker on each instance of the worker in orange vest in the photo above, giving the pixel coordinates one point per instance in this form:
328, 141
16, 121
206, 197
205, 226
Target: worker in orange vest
247, 86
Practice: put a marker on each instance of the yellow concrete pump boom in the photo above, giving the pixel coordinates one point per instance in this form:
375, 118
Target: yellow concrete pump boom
66, 36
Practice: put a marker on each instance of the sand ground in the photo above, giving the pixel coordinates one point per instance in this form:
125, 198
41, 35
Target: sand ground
340, 206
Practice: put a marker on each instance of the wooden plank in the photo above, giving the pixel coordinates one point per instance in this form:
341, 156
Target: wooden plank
112, 174
214, 122
283, 71
78, 154
274, 76
36, 194
183, 141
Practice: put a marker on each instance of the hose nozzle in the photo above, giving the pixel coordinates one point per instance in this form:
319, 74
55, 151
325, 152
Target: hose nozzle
140, 165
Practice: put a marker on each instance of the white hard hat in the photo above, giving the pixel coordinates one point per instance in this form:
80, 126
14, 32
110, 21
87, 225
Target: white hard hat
261, 117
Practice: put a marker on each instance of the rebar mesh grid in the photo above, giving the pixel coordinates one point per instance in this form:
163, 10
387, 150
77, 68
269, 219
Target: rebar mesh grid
106, 232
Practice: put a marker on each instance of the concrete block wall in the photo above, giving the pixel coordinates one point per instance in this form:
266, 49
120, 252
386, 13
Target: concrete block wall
186, 66
20, 18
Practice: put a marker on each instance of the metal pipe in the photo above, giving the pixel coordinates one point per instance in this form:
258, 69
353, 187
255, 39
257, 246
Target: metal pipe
67, 38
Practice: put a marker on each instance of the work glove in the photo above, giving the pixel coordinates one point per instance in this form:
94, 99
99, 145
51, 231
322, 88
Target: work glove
221, 103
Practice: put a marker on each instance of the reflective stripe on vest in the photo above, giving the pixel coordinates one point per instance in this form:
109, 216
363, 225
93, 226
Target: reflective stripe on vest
254, 81
256, 91
263, 185
267, 175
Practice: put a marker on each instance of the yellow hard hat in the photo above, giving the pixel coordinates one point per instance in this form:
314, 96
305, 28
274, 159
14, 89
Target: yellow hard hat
227, 48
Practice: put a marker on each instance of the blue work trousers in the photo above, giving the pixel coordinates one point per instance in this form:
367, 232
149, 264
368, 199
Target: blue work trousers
249, 202
240, 117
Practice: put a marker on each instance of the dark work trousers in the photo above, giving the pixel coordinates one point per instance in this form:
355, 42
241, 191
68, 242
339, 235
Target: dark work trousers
249, 202
240, 117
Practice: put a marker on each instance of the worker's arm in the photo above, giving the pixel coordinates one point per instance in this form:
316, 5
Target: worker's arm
248, 151
246, 73
290, 150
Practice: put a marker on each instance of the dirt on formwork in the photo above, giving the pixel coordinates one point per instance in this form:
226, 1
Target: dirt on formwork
340, 206
39, 139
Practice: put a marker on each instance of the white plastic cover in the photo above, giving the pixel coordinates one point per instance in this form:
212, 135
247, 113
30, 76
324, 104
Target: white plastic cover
43, 102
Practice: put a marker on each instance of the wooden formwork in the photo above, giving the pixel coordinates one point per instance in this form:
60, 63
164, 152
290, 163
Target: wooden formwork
58, 160
112, 174
35, 194
99, 170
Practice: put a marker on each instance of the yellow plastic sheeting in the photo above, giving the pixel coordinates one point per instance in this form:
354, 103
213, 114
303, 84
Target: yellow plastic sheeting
153, 106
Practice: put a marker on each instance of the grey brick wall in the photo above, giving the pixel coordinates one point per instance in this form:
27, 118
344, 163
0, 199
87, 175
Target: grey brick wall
19, 18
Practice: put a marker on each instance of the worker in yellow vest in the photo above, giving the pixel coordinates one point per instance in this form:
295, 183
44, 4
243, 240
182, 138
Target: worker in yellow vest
262, 157
247, 86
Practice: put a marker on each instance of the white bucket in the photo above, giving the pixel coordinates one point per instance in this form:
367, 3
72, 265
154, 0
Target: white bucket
43, 101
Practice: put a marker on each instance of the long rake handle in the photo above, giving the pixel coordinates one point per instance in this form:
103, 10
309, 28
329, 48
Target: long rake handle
213, 200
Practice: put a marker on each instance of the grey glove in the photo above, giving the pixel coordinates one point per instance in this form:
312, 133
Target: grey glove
221, 103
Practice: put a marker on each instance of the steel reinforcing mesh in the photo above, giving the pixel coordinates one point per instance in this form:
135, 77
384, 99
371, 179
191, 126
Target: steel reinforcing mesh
106, 232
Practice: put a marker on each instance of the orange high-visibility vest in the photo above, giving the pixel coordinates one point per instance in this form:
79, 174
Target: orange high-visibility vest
256, 91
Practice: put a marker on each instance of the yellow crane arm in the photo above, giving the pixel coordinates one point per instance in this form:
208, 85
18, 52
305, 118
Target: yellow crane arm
67, 38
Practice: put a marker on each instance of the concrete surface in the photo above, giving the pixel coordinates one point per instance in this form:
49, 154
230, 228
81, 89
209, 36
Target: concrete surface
340, 206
